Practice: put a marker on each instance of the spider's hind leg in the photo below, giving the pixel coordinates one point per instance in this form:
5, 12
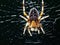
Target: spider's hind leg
25, 27
38, 31
29, 32
42, 29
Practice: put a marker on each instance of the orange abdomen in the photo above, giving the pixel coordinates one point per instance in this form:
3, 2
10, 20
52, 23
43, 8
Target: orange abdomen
34, 24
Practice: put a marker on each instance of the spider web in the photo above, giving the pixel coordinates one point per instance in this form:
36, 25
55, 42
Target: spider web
11, 25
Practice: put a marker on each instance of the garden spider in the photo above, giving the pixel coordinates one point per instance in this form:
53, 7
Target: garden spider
33, 19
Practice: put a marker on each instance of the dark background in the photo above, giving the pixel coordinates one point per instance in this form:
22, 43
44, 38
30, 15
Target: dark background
11, 25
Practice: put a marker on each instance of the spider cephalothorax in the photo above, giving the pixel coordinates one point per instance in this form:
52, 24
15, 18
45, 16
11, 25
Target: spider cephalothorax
33, 19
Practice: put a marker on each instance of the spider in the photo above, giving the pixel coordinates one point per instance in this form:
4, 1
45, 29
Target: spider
33, 20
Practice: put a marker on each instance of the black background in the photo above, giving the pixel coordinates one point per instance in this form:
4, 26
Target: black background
11, 30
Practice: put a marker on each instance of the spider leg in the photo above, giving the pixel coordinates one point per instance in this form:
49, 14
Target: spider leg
44, 17
41, 14
38, 31
25, 28
24, 12
42, 29
29, 32
24, 18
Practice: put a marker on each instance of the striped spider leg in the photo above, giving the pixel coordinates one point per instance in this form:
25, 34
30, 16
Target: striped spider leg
26, 19
41, 18
26, 26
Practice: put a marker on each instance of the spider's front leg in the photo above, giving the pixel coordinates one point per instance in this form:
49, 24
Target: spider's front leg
24, 12
42, 11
